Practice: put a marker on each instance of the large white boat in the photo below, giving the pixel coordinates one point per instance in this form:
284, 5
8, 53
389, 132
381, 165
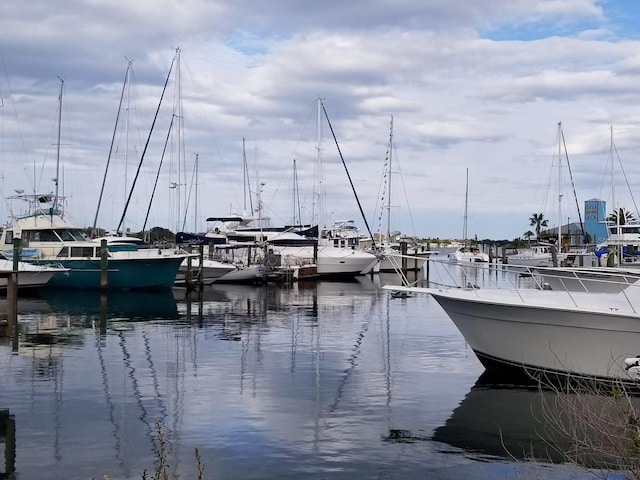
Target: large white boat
550, 332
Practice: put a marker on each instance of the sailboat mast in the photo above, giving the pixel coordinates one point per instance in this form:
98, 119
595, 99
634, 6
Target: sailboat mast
617, 211
56, 180
466, 209
319, 172
560, 186
195, 210
389, 176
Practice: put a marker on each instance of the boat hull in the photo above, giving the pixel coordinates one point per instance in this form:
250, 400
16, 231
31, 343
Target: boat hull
128, 273
566, 342
251, 274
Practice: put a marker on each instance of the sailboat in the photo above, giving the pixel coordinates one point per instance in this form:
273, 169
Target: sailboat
546, 253
49, 238
467, 253
331, 259
398, 252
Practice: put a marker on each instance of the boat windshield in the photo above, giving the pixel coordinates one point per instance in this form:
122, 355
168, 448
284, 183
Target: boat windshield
70, 235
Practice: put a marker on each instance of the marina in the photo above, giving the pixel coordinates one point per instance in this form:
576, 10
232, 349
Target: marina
323, 379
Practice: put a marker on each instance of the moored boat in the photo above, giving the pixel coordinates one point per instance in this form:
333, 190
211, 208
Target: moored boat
578, 335
48, 238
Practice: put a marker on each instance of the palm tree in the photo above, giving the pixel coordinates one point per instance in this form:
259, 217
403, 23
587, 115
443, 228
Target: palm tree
528, 234
621, 213
538, 221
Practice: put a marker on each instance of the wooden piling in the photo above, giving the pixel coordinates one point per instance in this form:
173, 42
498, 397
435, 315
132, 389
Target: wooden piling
188, 277
12, 295
104, 265
201, 271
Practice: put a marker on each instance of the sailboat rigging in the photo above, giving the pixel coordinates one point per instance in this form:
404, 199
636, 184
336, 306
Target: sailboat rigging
467, 253
113, 138
135, 179
353, 188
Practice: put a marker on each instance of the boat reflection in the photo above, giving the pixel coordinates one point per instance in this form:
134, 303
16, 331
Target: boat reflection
234, 300
131, 305
526, 422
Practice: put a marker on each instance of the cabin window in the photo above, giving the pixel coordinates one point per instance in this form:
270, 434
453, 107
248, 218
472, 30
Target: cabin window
42, 236
8, 239
82, 251
64, 252
67, 236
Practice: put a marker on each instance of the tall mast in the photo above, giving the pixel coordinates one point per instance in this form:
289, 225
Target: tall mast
466, 207
57, 177
245, 171
113, 137
560, 186
389, 189
195, 210
319, 171
617, 211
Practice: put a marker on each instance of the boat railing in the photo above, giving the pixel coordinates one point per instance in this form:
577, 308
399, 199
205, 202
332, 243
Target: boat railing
568, 280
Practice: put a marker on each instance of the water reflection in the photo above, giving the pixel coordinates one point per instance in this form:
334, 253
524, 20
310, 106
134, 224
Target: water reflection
132, 305
315, 380
534, 422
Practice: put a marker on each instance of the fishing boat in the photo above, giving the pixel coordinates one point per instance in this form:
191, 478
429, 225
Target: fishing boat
48, 238
539, 331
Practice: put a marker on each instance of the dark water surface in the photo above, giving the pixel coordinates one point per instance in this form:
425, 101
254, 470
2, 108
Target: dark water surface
328, 380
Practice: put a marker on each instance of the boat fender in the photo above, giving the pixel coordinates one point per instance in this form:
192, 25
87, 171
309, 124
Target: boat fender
632, 365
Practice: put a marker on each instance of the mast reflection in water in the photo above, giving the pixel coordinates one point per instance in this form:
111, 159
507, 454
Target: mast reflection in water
317, 380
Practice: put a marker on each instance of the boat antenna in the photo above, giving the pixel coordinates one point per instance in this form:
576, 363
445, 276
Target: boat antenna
146, 145
113, 138
373, 242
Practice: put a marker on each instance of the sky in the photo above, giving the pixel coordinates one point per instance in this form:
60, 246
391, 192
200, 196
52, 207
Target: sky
500, 110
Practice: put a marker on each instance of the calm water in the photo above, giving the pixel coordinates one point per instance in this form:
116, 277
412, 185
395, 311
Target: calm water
319, 380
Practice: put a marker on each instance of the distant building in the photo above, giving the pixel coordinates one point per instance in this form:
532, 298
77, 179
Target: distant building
594, 217
594, 226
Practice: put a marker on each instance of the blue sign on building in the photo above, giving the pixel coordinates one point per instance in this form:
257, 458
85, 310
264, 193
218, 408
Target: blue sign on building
595, 215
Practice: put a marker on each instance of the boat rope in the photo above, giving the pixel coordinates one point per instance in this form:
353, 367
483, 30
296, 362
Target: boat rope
573, 186
364, 218
155, 184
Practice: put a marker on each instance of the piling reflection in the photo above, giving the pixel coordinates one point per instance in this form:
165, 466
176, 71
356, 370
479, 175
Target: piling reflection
7, 444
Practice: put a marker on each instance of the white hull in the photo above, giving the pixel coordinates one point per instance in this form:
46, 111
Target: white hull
250, 274
468, 257
29, 276
538, 330
212, 270
332, 261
